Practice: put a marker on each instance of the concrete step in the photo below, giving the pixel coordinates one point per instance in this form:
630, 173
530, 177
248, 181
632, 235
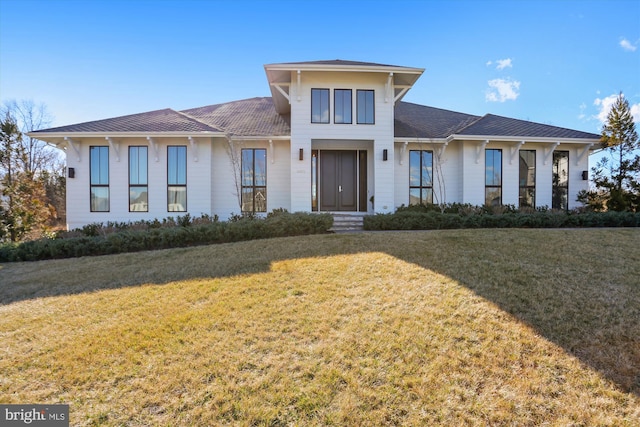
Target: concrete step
347, 222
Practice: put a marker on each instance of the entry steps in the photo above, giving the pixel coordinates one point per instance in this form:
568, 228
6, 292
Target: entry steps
347, 222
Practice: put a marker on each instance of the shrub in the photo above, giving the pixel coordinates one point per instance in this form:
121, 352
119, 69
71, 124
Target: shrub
99, 239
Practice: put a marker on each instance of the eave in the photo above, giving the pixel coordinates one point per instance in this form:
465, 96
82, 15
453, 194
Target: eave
525, 139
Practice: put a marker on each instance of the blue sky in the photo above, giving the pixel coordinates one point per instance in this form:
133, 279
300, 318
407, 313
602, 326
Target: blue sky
555, 62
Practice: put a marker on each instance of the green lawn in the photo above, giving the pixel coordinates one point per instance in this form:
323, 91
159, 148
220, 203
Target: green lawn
475, 327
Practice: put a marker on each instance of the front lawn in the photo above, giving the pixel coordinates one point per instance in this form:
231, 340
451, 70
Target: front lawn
476, 327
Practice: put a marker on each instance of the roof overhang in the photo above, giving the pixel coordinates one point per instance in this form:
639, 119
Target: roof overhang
59, 137
525, 139
282, 76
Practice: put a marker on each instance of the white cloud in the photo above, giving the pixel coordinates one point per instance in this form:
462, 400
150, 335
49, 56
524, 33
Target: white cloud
604, 106
501, 90
489, 63
627, 45
504, 63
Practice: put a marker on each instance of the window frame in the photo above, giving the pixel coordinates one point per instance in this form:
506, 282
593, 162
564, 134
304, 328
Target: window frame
253, 186
103, 150
138, 185
335, 107
556, 203
530, 188
174, 186
364, 105
328, 106
421, 187
488, 187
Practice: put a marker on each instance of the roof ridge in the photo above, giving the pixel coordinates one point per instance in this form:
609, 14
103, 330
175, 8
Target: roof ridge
468, 125
190, 117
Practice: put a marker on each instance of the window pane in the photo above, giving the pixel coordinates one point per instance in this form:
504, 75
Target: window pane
177, 199
414, 168
527, 168
261, 199
427, 166
365, 106
138, 199
247, 199
320, 105
414, 196
177, 165
99, 159
261, 167
99, 199
247, 167
342, 105
527, 197
137, 165
561, 168
493, 167
493, 196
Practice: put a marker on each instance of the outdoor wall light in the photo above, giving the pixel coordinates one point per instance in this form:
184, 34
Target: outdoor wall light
301, 155
585, 175
385, 154
71, 173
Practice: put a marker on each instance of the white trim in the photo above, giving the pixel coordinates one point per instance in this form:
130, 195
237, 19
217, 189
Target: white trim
528, 139
115, 146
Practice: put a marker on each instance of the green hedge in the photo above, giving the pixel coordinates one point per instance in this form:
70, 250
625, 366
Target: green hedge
429, 220
130, 239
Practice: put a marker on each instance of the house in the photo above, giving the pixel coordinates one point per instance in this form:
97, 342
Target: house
335, 136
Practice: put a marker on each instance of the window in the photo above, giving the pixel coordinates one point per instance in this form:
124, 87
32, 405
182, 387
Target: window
493, 177
138, 190
527, 195
420, 177
560, 180
366, 111
342, 106
99, 171
177, 178
319, 105
254, 180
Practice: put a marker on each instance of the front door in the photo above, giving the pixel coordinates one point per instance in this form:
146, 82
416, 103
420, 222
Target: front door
338, 180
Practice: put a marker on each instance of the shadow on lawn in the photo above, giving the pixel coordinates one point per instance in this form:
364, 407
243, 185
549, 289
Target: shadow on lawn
576, 288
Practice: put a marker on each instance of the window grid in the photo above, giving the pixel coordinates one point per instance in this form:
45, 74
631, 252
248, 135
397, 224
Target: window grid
177, 178
493, 177
99, 178
560, 180
254, 180
342, 106
527, 196
420, 177
319, 105
138, 179
365, 106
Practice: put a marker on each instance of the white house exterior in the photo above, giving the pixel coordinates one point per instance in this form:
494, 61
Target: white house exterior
334, 137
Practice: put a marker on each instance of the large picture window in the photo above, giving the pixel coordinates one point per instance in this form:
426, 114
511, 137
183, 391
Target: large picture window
527, 196
138, 181
342, 106
177, 178
319, 105
254, 180
99, 171
493, 177
420, 177
366, 107
560, 180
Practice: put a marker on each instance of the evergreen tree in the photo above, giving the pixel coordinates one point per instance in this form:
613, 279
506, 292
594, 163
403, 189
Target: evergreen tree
617, 178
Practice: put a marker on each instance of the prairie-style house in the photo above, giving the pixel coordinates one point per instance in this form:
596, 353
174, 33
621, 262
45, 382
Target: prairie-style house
335, 136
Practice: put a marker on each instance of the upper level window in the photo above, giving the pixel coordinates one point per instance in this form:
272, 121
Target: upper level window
177, 178
365, 107
493, 177
138, 189
560, 180
527, 195
319, 105
99, 171
342, 106
254, 180
420, 177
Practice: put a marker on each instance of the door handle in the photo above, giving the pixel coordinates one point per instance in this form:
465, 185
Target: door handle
339, 188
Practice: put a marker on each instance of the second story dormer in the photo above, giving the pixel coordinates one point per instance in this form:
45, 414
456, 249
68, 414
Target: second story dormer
339, 99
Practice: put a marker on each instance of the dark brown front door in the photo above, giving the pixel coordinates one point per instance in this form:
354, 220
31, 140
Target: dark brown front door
338, 179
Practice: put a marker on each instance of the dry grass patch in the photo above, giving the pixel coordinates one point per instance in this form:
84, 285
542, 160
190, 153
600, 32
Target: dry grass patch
456, 327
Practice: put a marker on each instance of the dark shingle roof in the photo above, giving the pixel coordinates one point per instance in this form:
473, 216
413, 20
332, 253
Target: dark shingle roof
505, 126
419, 121
248, 117
166, 120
